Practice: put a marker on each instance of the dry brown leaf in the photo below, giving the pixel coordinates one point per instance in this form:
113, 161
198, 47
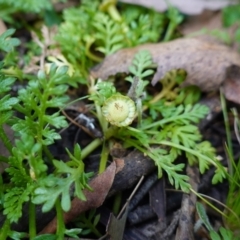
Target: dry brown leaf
191, 7
205, 61
231, 86
100, 185
207, 19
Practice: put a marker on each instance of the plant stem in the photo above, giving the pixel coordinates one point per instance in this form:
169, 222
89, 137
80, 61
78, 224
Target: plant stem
3, 159
91, 147
92, 227
97, 142
60, 221
193, 152
89, 54
161, 95
32, 221
226, 123
48, 154
104, 158
169, 33
113, 12
5, 230
117, 203
5, 140
161, 122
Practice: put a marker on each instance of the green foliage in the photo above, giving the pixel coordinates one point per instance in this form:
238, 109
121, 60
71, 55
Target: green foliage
142, 60
46, 92
36, 130
230, 15
90, 31
171, 129
26, 5
142, 25
7, 102
233, 200
67, 174
179, 114
18, 235
13, 202
221, 234
102, 91
7, 44
108, 36
73, 233
86, 35
88, 222
175, 18
9, 7
46, 237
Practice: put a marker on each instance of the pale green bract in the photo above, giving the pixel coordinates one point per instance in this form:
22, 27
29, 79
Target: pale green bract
119, 110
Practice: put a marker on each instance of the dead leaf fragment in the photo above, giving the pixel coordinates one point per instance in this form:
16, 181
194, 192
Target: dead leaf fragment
191, 7
231, 86
100, 185
205, 61
116, 226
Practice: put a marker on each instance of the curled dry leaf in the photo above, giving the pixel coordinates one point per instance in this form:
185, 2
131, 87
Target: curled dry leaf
191, 7
206, 62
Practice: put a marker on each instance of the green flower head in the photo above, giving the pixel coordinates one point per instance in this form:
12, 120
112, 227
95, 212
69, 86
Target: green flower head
119, 110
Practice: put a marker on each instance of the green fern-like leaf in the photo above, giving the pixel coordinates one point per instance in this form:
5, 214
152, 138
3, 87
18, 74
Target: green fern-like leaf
180, 115
108, 34
205, 149
165, 162
13, 201
144, 25
26, 5
7, 43
142, 60
102, 91
186, 135
53, 187
37, 97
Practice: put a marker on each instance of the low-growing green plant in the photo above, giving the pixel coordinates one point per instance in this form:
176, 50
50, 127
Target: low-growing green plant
232, 221
163, 140
27, 169
221, 234
93, 32
162, 127
10, 7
